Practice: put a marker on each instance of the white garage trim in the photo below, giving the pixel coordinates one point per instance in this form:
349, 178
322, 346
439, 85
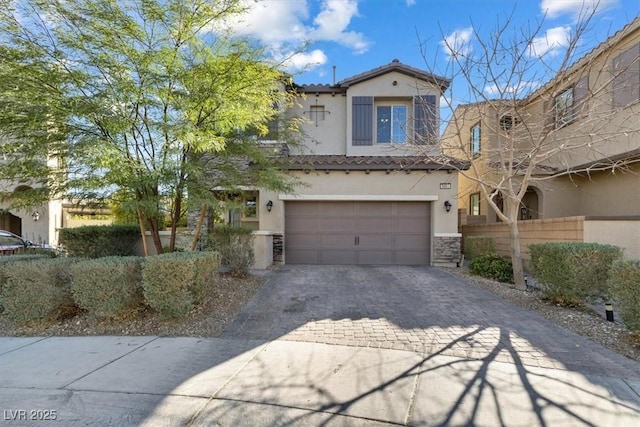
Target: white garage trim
357, 198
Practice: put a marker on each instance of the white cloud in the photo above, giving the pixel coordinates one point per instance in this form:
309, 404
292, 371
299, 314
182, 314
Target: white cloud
574, 8
332, 22
458, 43
285, 26
552, 43
297, 62
273, 21
520, 89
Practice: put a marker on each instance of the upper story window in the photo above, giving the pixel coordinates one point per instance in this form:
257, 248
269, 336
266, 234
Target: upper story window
385, 121
570, 104
563, 108
626, 77
391, 124
474, 140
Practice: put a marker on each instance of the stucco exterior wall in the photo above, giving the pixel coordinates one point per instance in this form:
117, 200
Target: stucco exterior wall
621, 232
329, 135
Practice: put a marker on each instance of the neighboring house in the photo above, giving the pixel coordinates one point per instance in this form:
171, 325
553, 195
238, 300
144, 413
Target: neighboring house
38, 224
369, 196
594, 106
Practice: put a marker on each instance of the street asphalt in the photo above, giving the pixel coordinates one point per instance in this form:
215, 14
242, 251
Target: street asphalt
335, 346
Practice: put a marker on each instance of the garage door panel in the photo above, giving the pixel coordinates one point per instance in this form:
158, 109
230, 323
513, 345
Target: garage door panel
410, 225
304, 241
338, 225
338, 241
375, 241
342, 209
339, 257
301, 224
412, 242
298, 209
379, 225
375, 209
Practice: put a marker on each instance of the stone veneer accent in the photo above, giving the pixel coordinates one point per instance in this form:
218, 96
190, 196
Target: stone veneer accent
446, 249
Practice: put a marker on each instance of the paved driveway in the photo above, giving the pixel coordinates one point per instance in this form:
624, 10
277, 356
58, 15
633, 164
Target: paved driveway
421, 309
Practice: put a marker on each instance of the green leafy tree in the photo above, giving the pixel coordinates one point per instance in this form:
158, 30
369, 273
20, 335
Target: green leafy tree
126, 96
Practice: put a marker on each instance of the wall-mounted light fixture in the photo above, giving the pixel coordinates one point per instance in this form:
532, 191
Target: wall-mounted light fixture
35, 216
447, 205
269, 206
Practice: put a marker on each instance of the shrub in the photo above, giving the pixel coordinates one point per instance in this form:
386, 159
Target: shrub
573, 272
624, 284
95, 241
37, 289
7, 261
175, 283
478, 245
235, 246
492, 266
107, 287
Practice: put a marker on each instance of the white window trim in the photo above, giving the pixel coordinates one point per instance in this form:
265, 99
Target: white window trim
394, 103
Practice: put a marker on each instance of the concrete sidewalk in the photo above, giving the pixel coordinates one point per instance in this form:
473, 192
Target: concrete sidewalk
131, 381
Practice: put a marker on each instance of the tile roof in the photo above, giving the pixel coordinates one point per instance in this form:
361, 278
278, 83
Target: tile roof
342, 162
395, 65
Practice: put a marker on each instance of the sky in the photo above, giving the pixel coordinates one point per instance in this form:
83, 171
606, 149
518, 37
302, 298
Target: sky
355, 36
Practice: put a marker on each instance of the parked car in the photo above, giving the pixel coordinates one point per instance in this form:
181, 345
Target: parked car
11, 243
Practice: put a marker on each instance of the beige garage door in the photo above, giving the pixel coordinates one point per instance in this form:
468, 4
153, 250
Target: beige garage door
357, 233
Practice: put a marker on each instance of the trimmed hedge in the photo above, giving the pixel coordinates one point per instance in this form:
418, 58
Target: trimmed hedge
37, 289
492, 266
478, 245
624, 284
573, 272
108, 287
235, 246
9, 260
174, 283
96, 241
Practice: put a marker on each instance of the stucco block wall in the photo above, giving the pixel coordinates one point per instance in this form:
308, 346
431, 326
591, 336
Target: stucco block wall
623, 232
532, 231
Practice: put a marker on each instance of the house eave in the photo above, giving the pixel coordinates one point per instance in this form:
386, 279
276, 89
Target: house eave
371, 163
401, 68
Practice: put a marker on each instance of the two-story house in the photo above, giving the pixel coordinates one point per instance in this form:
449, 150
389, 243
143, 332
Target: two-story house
582, 129
369, 195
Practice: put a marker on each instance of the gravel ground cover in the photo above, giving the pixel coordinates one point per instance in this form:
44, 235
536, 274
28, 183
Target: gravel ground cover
588, 321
